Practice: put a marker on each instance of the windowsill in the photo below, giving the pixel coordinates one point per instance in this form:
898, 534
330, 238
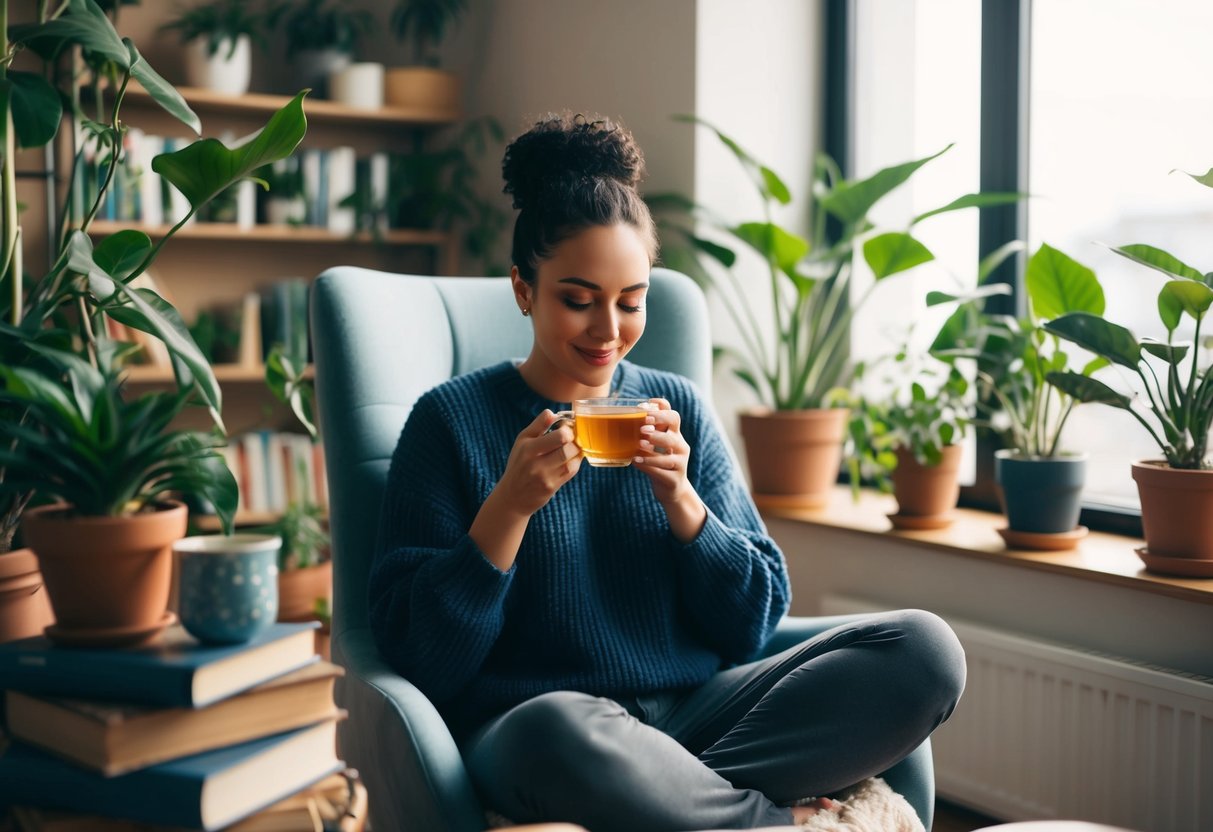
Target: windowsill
1100, 557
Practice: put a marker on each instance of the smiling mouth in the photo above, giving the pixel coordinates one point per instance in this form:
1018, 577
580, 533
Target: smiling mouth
596, 357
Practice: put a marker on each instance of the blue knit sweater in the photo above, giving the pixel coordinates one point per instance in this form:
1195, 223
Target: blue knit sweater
602, 598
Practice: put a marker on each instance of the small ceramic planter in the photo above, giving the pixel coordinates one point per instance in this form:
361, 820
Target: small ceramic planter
422, 88
1042, 498
794, 455
313, 67
358, 85
228, 71
228, 589
24, 608
926, 494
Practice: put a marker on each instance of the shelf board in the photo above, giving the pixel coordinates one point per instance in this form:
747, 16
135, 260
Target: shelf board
210, 522
316, 109
224, 373
274, 234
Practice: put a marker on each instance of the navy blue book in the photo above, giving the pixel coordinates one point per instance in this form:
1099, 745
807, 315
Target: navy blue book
207, 791
175, 671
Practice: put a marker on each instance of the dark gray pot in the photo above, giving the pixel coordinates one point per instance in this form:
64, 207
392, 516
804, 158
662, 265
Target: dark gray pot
1040, 494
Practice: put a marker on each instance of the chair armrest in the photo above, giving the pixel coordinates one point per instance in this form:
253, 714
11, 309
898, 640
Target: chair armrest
400, 746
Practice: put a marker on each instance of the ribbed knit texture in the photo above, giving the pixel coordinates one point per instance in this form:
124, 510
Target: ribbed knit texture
601, 598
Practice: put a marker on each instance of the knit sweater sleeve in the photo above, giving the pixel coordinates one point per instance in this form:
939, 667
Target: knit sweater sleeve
732, 575
436, 603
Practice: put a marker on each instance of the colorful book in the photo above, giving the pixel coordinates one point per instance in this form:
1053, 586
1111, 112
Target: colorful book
176, 671
115, 739
206, 791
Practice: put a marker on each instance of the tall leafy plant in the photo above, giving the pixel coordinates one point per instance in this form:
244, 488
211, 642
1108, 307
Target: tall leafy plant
61, 401
1178, 385
798, 361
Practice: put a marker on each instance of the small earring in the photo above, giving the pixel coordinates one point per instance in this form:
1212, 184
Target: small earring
526, 313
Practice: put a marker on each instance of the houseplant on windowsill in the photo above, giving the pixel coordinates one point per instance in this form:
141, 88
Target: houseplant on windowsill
321, 37
794, 441
65, 430
422, 85
1040, 484
218, 38
1176, 491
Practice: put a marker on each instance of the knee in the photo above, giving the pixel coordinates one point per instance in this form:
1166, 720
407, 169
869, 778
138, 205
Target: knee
555, 735
932, 657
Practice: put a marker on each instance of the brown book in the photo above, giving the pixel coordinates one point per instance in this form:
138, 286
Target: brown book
113, 739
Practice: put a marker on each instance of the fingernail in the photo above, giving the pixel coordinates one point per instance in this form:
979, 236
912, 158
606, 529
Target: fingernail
639, 460
647, 428
650, 420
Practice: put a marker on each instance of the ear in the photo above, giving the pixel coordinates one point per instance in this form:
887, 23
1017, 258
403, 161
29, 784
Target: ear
523, 295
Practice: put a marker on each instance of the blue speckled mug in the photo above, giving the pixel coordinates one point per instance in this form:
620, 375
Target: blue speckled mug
228, 585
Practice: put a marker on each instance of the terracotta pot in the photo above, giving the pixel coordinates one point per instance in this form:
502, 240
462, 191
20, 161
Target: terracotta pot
795, 453
298, 590
24, 608
1176, 510
422, 88
927, 490
106, 573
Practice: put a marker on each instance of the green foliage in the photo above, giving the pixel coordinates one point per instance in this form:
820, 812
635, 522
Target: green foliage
67, 430
424, 23
1018, 358
305, 540
219, 22
86, 443
804, 356
319, 24
1181, 408
436, 188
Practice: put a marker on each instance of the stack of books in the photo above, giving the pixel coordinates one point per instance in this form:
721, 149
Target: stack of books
173, 735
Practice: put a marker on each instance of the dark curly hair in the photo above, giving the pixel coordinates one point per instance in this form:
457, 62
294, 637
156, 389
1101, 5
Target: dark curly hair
568, 173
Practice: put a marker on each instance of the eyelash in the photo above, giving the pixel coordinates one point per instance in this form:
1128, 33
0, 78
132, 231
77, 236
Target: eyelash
581, 307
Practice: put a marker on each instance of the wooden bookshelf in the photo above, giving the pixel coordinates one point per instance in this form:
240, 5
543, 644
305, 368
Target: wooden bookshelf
318, 109
224, 374
230, 232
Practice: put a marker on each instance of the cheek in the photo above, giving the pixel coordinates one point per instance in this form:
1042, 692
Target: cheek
632, 327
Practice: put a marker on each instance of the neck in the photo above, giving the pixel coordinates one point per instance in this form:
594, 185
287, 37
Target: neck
555, 386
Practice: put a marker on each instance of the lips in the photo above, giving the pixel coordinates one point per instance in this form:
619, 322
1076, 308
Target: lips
598, 358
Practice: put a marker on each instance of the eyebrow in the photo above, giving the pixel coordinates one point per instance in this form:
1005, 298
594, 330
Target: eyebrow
577, 281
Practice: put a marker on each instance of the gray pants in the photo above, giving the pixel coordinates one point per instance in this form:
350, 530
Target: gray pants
733, 753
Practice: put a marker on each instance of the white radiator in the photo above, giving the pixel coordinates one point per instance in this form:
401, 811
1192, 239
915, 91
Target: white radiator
1047, 731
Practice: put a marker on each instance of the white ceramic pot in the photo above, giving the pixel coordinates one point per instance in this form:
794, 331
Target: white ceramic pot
358, 85
228, 71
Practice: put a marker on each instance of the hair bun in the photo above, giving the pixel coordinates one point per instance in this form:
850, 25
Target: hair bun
561, 149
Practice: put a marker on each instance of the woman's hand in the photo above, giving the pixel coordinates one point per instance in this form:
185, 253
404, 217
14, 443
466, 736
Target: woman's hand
538, 465
664, 457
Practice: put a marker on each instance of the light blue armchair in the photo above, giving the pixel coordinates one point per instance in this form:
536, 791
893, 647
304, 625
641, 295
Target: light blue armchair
381, 340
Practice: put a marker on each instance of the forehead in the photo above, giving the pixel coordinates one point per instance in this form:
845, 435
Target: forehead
612, 256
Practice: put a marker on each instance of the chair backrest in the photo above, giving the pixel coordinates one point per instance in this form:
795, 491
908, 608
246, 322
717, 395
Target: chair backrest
381, 340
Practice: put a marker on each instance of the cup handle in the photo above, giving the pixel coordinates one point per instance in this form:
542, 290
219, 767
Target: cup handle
562, 416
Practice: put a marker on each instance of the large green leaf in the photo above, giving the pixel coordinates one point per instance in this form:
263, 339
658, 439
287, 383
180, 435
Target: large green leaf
1101, 337
85, 24
773, 243
147, 317
980, 200
1058, 284
894, 252
161, 91
206, 167
1170, 353
36, 109
1179, 296
766, 180
1159, 260
722, 254
1086, 389
936, 298
121, 253
851, 201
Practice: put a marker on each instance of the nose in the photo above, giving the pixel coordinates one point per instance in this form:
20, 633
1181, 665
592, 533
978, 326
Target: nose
605, 326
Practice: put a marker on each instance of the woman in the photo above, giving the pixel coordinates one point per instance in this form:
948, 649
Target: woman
588, 633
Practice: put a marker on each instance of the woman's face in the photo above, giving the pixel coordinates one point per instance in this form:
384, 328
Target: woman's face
587, 304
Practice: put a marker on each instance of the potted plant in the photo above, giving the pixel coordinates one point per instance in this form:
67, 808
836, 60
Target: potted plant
1040, 484
422, 85
66, 430
793, 441
218, 37
1176, 491
321, 37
